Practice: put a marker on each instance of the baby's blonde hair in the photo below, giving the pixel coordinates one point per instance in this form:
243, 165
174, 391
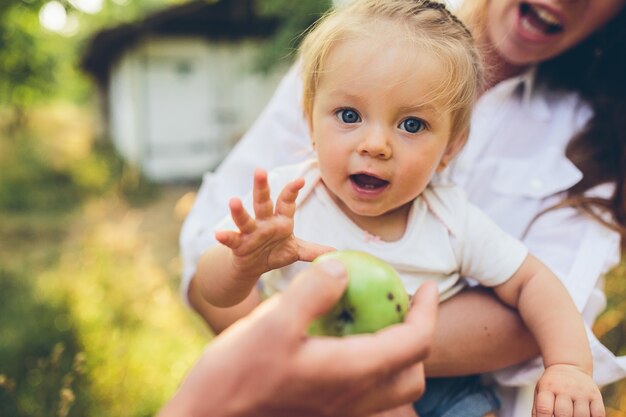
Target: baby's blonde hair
428, 23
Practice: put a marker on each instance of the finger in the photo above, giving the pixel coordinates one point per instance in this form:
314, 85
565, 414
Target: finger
563, 406
308, 251
389, 350
313, 292
544, 404
401, 388
582, 409
228, 238
424, 306
597, 408
286, 201
242, 219
262, 202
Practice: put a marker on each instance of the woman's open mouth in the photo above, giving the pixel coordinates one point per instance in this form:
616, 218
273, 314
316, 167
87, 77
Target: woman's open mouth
367, 183
540, 20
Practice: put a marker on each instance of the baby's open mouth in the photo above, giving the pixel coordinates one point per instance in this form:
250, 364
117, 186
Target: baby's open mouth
540, 19
368, 182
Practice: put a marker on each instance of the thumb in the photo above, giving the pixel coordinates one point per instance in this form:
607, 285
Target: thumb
308, 251
424, 309
313, 292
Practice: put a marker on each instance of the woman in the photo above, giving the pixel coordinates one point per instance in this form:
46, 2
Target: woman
545, 160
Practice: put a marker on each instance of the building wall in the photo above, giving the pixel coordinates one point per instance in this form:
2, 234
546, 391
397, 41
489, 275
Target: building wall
178, 105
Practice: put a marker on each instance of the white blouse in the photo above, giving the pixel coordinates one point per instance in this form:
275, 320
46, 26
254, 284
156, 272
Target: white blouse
513, 167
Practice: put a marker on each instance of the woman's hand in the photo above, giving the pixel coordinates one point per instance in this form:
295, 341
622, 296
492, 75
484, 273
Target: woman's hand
265, 365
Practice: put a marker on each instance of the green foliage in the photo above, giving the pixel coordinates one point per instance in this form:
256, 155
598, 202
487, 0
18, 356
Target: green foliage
91, 321
24, 166
295, 18
39, 354
37, 374
53, 164
37, 66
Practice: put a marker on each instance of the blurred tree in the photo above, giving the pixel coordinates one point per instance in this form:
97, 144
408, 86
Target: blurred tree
37, 64
24, 71
296, 17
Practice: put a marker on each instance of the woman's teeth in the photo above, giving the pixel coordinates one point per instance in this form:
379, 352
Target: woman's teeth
540, 19
546, 16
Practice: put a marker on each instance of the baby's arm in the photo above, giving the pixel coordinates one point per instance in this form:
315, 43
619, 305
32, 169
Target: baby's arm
566, 387
227, 272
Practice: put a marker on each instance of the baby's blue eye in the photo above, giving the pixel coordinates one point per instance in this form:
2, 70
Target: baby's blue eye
348, 116
412, 125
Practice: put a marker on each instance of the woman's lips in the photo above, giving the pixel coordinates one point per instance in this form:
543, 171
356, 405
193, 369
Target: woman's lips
538, 23
368, 184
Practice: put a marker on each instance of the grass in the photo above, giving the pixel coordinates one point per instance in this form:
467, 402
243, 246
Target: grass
92, 323
611, 330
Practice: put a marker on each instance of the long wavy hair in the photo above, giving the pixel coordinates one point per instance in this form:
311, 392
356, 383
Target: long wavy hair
596, 69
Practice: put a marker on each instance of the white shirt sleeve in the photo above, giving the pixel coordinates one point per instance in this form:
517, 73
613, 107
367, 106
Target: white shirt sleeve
278, 137
489, 255
484, 252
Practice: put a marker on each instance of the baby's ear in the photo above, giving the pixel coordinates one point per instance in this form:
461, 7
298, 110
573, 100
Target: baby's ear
454, 147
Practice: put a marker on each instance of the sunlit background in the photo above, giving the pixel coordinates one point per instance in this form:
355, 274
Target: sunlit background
109, 112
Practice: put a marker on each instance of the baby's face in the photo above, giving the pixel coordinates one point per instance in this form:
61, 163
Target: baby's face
379, 133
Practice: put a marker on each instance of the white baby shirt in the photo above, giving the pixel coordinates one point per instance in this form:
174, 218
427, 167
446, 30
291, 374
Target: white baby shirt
447, 238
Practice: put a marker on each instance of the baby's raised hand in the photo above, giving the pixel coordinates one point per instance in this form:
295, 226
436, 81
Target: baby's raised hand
266, 241
566, 390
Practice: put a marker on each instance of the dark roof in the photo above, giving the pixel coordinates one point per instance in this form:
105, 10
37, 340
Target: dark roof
222, 19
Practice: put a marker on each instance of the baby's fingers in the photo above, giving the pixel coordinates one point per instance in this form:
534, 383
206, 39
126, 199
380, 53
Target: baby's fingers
263, 206
563, 406
228, 238
581, 409
242, 219
544, 404
286, 202
597, 408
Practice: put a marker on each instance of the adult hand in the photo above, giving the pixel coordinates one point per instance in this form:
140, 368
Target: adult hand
265, 365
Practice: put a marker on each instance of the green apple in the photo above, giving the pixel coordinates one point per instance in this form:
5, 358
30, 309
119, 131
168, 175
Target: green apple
375, 297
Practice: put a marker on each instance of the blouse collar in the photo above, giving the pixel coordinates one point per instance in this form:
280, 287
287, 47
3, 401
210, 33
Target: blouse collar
531, 95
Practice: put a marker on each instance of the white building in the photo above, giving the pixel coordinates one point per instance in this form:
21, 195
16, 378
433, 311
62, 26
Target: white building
179, 88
